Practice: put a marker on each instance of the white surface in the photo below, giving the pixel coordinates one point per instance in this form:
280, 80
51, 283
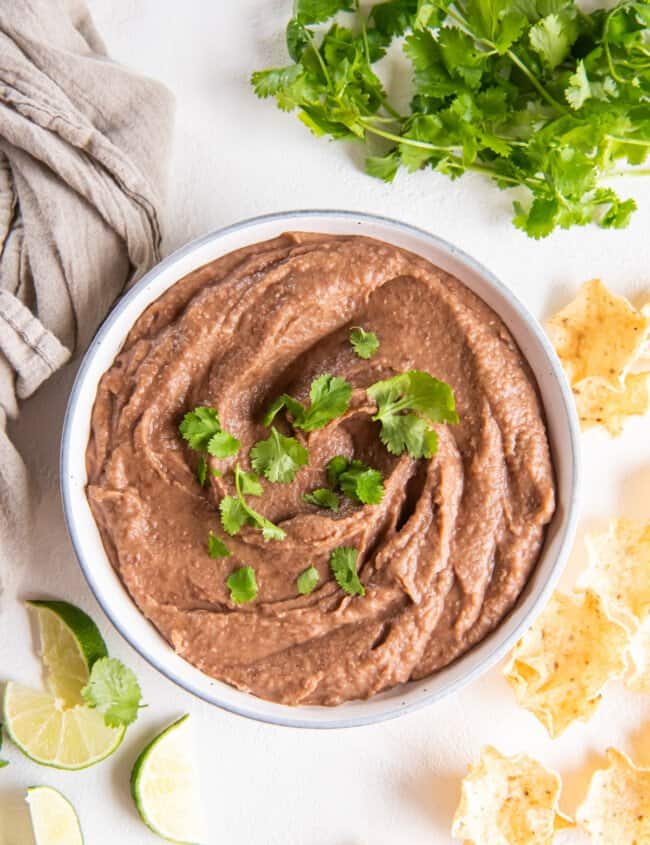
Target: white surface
396, 782
115, 601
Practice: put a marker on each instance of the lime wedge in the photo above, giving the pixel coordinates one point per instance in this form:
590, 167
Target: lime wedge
165, 787
53, 817
55, 727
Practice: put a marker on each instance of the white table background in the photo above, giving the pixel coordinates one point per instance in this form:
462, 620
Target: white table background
396, 782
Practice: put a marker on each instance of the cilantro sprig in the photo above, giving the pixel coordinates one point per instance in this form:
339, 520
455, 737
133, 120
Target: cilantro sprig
114, 690
307, 581
323, 497
357, 480
535, 94
364, 343
329, 398
242, 584
425, 399
201, 429
343, 563
216, 547
236, 512
278, 458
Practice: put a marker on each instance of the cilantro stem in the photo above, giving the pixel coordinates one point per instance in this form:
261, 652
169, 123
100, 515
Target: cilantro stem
425, 145
322, 64
637, 142
614, 174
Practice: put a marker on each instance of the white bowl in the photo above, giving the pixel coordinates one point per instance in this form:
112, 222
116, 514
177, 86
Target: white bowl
113, 597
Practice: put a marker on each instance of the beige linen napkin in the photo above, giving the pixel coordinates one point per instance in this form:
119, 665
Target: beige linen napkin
83, 152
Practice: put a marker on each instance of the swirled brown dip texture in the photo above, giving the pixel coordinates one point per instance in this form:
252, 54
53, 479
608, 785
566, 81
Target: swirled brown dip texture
445, 555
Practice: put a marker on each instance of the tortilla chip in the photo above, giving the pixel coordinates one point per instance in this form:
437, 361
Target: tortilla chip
598, 335
619, 570
638, 678
599, 405
616, 810
562, 663
508, 799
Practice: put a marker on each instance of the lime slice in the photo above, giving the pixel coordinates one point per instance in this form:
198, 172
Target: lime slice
165, 787
70, 644
53, 817
55, 727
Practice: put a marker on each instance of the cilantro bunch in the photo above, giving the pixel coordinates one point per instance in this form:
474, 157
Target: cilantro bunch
531, 93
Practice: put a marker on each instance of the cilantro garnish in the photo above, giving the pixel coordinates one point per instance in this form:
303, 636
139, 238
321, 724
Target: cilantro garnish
335, 466
278, 457
330, 397
343, 563
216, 547
235, 512
361, 483
242, 584
364, 343
425, 398
307, 581
201, 428
114, 690
540, 96
322, 497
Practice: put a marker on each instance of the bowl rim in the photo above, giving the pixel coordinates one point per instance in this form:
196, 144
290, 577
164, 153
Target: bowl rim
568, 520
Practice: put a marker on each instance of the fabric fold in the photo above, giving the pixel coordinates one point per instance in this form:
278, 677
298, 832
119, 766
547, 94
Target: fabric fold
84, 147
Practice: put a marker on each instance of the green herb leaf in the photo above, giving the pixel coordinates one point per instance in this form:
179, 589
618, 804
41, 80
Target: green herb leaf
243, 585
236, 512
278, 457
330, 397
233, 515
114, 690
335, 466
364, 343
551, 38
343, 563
223, 445
202, 471
307, 581
362, 483
199, 426
216, 547
322, 497
578, 90
429, 400
317, 11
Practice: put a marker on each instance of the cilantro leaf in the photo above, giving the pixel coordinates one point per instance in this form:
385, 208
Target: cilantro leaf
199, 426
223, 445
216, 547
322, 497
233, 515
578, 89
362, 483
358, 481
236, 512
278, 457
307, 581
364, 343
330, 397
243, 585
335, 466
426, 398
343, 563
114, 690
551, 38
202, 471
317, 11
